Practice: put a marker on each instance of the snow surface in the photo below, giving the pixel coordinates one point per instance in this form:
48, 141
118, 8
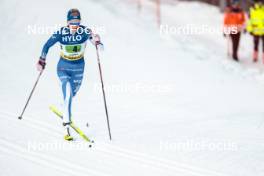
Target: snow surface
177, 104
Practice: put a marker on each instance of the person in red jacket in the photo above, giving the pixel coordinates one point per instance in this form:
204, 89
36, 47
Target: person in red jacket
234, 24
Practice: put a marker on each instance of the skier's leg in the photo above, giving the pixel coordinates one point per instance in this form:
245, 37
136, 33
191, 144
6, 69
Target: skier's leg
65, 77
67, 95
66, 87
76, 79
70, 88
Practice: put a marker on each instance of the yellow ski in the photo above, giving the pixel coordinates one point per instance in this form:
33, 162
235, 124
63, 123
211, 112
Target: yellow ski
80, 132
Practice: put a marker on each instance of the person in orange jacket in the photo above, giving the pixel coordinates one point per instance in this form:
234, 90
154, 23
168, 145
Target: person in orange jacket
234, 24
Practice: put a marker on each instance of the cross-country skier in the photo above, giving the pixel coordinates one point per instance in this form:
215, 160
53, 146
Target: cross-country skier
70, 68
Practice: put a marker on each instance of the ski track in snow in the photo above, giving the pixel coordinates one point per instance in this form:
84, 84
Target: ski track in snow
31, 122
164, 166
46, 160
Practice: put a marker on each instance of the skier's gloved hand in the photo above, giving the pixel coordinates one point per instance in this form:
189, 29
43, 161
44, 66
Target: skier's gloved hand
41, 64
96, 39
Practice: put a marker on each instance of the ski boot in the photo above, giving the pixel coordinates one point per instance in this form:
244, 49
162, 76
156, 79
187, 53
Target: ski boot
68, 136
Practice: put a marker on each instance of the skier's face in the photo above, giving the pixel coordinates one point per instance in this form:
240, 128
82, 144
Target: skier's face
74, 24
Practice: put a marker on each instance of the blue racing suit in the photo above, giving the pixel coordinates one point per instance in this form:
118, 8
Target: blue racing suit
70, 67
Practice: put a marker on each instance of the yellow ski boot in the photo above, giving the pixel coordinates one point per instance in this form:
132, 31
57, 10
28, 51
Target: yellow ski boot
68, 136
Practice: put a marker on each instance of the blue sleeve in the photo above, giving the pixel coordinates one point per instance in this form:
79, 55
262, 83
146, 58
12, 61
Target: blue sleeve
52, 40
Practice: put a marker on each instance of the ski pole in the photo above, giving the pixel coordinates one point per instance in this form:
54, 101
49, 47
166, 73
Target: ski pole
31, 93
103, 90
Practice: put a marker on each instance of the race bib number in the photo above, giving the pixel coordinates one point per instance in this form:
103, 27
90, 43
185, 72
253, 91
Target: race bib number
73, 48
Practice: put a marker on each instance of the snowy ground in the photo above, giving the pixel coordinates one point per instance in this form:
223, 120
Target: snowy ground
178, 105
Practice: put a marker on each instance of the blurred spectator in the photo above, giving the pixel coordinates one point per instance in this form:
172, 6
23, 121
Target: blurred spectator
255, 27
234, 23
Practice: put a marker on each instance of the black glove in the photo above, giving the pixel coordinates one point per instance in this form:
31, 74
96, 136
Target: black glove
41, 64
